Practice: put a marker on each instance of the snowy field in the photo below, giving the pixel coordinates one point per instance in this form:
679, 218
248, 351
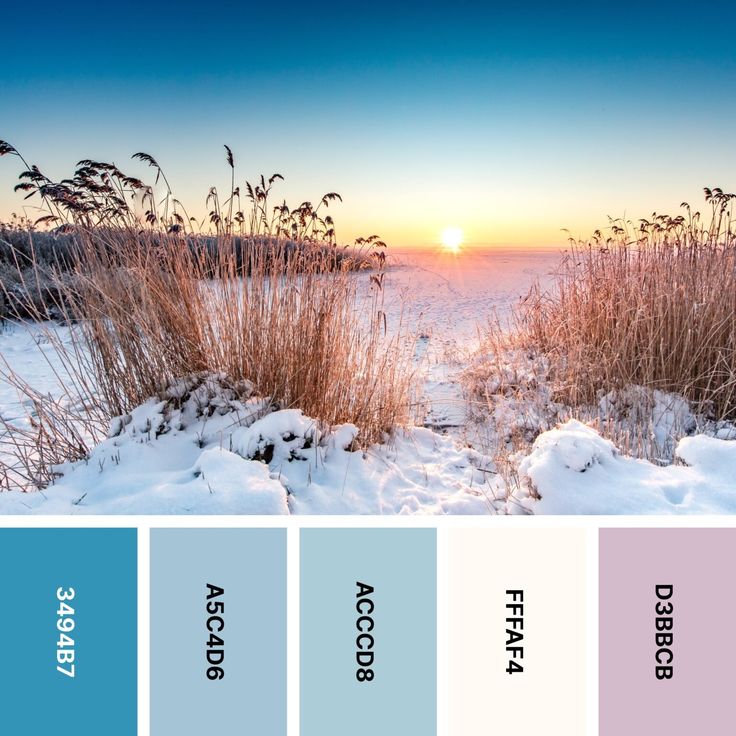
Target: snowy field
203, 450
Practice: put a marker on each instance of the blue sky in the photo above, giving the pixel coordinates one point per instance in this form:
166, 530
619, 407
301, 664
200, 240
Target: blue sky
509, 122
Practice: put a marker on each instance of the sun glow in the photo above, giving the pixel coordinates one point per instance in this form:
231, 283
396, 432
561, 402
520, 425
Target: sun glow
452, 239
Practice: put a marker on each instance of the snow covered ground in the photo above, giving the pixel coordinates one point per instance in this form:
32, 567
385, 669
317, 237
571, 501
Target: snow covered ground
205, 449
28, 351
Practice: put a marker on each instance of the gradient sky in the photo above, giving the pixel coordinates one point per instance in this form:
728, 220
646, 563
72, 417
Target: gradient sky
510, 122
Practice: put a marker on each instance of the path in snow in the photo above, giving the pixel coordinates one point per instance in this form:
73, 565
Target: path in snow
447, 299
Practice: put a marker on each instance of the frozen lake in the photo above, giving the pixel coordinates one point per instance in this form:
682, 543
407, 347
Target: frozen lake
450, 295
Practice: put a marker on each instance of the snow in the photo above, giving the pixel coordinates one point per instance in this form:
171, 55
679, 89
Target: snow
574, 446
28, 351
711, 458
179, 456
284, 433
449, 294
575, 471
203, 450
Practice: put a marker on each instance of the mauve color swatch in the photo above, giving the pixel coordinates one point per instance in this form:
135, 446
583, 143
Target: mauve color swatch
698, 698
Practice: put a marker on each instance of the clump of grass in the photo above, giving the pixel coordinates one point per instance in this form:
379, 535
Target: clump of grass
651, 305
509, 398
296, 327
266, 296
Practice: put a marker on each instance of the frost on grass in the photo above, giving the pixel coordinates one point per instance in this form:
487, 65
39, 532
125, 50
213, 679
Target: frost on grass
208, 446
511, 396
514, 397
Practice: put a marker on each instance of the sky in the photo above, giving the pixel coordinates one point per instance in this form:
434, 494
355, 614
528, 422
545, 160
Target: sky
510, 121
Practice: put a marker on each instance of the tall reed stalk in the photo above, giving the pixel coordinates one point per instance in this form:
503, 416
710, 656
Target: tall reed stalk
264, 296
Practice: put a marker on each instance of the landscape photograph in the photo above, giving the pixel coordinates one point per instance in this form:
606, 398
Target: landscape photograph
367, 259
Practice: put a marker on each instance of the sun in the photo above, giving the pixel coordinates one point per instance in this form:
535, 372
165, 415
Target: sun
452, 239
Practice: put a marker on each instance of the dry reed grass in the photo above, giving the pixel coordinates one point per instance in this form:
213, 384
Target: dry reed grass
297, 328
267, 298
649, 305
653, 306
56, 430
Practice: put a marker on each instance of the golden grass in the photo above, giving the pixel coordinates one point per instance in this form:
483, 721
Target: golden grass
272, 300
296, 327
650, 305
653, 306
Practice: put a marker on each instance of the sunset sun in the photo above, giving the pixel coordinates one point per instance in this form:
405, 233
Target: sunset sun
452, 239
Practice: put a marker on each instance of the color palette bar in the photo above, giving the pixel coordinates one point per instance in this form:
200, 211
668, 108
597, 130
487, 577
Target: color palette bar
69, 615
514, 615
368, 632
666, 641
517, 631
218, 632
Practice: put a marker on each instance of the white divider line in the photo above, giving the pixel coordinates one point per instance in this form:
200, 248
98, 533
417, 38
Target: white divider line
144, 629
443, 632
592, 659
292, 630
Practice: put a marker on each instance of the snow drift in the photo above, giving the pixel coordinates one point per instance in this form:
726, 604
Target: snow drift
573, 470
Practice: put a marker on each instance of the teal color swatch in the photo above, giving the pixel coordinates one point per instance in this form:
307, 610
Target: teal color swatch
218, 632
368, 632
69, 616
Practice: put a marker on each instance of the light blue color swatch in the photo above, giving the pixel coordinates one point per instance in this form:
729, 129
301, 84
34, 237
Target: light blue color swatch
250, 566
401, 566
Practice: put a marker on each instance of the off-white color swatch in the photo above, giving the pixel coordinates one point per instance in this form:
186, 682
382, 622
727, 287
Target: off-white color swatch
549, 696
